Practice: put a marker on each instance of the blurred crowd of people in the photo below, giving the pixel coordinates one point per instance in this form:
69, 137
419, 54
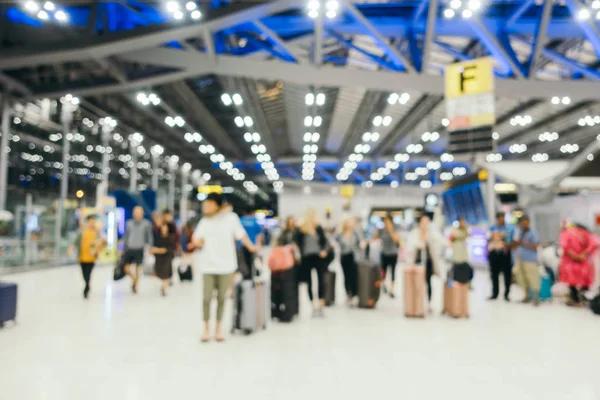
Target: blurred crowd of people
222, 241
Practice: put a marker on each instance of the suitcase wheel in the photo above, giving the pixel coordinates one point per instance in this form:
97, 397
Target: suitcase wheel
247, 332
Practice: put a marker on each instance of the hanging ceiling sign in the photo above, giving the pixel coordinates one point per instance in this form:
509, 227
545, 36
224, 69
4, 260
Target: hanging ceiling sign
470, 94
207, 189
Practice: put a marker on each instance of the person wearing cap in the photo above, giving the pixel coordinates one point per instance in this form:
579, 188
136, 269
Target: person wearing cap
526, 242
500, 239
216, 236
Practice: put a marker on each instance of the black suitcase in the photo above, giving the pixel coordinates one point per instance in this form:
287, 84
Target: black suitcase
284, 295
329, 288
369, 284
8, 302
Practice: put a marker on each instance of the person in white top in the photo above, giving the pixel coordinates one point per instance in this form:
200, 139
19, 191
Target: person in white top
216, 236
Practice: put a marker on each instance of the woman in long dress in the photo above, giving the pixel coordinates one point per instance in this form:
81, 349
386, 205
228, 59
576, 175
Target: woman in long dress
576, 265
164, 251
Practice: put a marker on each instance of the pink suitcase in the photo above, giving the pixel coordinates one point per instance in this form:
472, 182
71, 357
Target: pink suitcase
456, 299
414, 292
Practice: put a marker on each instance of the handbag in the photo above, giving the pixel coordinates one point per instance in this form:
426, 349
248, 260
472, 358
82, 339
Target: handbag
119, 271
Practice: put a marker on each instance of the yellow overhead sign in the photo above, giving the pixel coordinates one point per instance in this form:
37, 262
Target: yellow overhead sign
470, 94
469, 78
207, 189
347, 191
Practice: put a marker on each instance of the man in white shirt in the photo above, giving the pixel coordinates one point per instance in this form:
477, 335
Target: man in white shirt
215, 236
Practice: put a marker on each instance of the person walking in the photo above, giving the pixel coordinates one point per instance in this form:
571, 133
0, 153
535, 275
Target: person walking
425, 241
88, 245
390, 243
500, 243
313, 246
349, 243
255, 234
576, 267
138, 235
215, 236
458, 238
526, 242
288, 237
164, 252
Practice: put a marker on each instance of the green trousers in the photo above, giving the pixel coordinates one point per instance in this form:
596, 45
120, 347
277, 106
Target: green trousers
220, 284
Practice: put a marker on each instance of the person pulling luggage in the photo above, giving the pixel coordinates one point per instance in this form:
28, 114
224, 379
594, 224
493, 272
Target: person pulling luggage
349, 242
87, 245
390, 242
215, 236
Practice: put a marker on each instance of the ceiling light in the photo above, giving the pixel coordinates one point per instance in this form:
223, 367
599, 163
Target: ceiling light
331, 14
393, 98
191, 6
387, 120
445, 121
566, 100
309, 99
248, 137
377, 121
43, 15
178, 15
226, 99
474, 4
61, 16
495, 135
188, 137
449, 13
196, 14
366, 137
172, 6
237, 99
456, 4
248, 121
210, 149
317, 121
180, 122
307, 136
239, 121
426, 184
493, 157
401, 157
539, 157
590, 157
446, 157
584, 14
256, 137
169, 121
467, 14
315, 137
308, 120
320, 99
32, 6
555, 100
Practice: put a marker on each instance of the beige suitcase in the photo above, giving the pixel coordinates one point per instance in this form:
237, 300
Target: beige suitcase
414, 292
456, 299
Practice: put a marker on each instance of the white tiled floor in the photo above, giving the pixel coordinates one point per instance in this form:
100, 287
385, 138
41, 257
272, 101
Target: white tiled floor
120, 346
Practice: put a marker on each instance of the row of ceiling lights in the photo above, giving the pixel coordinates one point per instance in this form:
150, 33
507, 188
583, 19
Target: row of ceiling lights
311, 140
465, 9
316, 7
585, 13
257, 148
179, 12
47, 12
589, 120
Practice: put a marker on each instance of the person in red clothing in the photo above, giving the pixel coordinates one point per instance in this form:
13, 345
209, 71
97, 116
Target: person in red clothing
576, 265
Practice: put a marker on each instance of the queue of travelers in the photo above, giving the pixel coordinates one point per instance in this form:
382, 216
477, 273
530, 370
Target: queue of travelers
211, 247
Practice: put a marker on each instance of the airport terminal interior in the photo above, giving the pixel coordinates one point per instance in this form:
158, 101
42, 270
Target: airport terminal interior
288, 199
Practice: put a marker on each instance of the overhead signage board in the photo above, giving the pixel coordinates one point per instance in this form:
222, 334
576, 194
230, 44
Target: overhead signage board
207, 189
470, 94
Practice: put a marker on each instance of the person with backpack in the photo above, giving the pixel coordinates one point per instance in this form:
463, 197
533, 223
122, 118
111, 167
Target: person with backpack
87, 245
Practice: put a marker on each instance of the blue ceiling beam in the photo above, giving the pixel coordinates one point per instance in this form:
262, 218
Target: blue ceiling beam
326, 175
589, 27
276, 41
267, 47
358, 176
378, 60
540, 38
499, 48
518, 13
459, 55
419, 10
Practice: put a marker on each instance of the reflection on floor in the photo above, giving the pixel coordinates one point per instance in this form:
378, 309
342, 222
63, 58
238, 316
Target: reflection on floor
144, 347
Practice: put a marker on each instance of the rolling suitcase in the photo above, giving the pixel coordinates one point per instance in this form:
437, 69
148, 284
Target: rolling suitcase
456, 299
185, 273
414, 287
252, 304
545, 288
369, 284
414, 292
284, 295
8, 302
329, 288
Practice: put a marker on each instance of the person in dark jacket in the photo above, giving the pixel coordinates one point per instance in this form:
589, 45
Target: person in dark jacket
313, 246
164, 252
